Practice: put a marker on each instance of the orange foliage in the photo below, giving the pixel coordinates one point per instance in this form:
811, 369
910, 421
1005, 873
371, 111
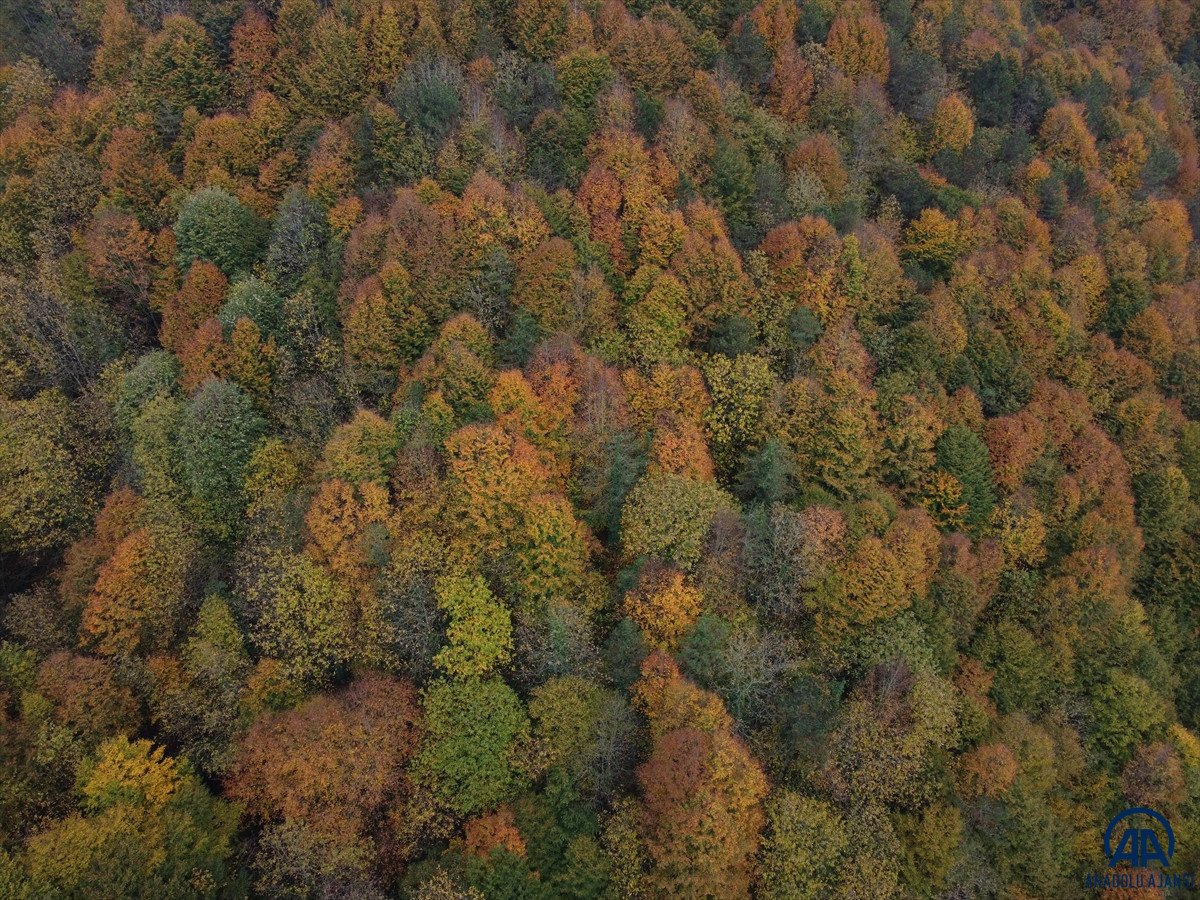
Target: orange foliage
338, 521
987, 771
857, 41
664, 606
336, 762
495, 830
201, 296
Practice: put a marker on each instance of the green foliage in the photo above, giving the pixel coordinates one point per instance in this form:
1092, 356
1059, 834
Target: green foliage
803, 848
1125, 712
215, 226
364, 449
476, 732
179, 67
254, 299
149, 827
479, 636
44, 490
153, 374
217, 433
669, 516
305, 617
961, 453
585, 729
739, 390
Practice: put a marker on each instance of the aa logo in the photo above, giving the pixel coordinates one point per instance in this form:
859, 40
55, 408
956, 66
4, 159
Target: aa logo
1137, 847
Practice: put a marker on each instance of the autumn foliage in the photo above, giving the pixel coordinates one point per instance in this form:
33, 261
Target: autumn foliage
536, 449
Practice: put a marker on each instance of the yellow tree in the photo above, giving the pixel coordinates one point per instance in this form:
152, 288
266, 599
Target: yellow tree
663, 605
952, 125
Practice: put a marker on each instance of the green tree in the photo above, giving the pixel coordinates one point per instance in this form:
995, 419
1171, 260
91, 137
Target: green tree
197, 694
1125, 712
480, 631
476, 732
180, 67
669, 516
214, 225
333, 79
44, 491
803, 848
963, 454
739, 389
217, 434
305, 617
586, 729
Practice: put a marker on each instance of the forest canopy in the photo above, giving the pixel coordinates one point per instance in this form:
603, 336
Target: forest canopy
470, 449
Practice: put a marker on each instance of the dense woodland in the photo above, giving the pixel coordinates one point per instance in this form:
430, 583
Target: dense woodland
543, 449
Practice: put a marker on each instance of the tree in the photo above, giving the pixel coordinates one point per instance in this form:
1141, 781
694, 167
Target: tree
656, 318
663, 605
384, 327
346, 527
179, 67
791, 84
1065, 137
252, 298
459, 363
332, 80
304, 617
215, 226
140, 592
491, 477
87, 697
149, 827
952, 125
476, 732
121, 40
363, 449
803, 848
552, 556
429, 96
538, 26
652, 55
44, 490
857, 41
337, 762
119, 255
739, 389
197, 694
297, 244
135, 173
890, 730
198, 300
669, 516
1154, 777
702, 791
934, 241
1014, 444
963, 455
987, 771
252, 48
217, 434
588, 730
831, 431
1125, 712
543, 281
479, 635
